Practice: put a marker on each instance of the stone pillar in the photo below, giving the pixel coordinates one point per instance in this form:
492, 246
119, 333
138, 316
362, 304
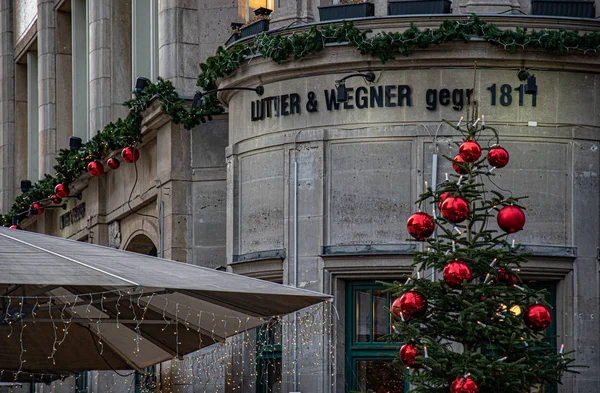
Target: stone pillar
219, 14
99, 64
293, 11
7, 106
109, 61
489, 6
46, 35
178, 54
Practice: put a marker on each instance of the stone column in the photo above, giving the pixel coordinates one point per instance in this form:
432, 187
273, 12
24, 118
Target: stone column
293, 11
100, 58
109, 61
7, 106
178, 54
489, 6
46, 35
218, 14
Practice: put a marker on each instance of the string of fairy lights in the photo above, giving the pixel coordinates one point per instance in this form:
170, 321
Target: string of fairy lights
237, 361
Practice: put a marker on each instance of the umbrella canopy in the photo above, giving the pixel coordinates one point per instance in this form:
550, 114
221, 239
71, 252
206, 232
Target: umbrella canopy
68, 306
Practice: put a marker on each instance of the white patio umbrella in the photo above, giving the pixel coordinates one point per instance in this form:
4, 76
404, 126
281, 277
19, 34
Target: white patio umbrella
68, 306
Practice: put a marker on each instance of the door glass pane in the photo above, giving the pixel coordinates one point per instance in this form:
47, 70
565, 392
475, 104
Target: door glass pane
381, 324
363, 316
379, 376
270, 380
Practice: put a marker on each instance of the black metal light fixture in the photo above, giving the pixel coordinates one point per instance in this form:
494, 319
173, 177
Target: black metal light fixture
26, 185
340, 85
531, 84
74, 143
262, 11
197, 102
141, 83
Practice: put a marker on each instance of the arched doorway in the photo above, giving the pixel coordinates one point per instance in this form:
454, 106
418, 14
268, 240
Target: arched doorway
142, 244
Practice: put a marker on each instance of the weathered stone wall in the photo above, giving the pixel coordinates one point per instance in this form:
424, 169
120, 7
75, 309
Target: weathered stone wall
361, 167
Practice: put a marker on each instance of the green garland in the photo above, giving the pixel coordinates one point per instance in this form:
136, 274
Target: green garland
115, 136
384, 46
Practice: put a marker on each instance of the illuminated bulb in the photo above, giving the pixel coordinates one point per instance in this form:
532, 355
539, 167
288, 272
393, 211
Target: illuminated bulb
515, 310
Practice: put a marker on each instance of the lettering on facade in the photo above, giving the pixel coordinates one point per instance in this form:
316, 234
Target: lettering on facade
384, 96
72, 216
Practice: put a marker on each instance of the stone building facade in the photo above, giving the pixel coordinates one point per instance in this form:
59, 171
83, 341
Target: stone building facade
316, 199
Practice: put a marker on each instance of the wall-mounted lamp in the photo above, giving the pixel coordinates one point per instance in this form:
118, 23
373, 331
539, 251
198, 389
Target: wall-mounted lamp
140, 84
260, 90
531, 85
74, 143
25, 185
340, 85
262, 11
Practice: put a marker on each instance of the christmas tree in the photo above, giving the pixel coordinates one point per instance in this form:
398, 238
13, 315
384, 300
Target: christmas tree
478, 328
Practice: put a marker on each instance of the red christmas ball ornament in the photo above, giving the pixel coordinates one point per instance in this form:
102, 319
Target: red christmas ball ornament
56, 199
412, 304
511, 219
113, 163
456, 167
538, 317
507, 277
95, 168
408, 354
420, 226
469, 151
61, 190
464, 385
498, 157
36, 208
130, 154
455, 273
442, 199
455, 209
396, 307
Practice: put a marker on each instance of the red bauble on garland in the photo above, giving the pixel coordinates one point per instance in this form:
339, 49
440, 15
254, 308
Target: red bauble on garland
408, 354
56, 199
498, 157
458, 169
455, 273
36, 208
511, 219
95, 168
507, 277
113, 163
455, 209
464, 385
538, 317
469, 151
61, 190
130, 154
420, 226
411, 304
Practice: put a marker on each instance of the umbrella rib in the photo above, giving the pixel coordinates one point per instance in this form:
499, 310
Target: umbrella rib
71, 260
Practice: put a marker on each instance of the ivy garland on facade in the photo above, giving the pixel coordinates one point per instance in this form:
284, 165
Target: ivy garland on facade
115, 136
279, 48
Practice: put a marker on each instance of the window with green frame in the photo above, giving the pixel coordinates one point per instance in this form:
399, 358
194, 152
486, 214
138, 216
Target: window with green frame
268, 358
551, 332
145, 381
81, 382
369, 366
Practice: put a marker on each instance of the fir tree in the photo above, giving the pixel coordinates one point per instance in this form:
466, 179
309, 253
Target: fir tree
478, 328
